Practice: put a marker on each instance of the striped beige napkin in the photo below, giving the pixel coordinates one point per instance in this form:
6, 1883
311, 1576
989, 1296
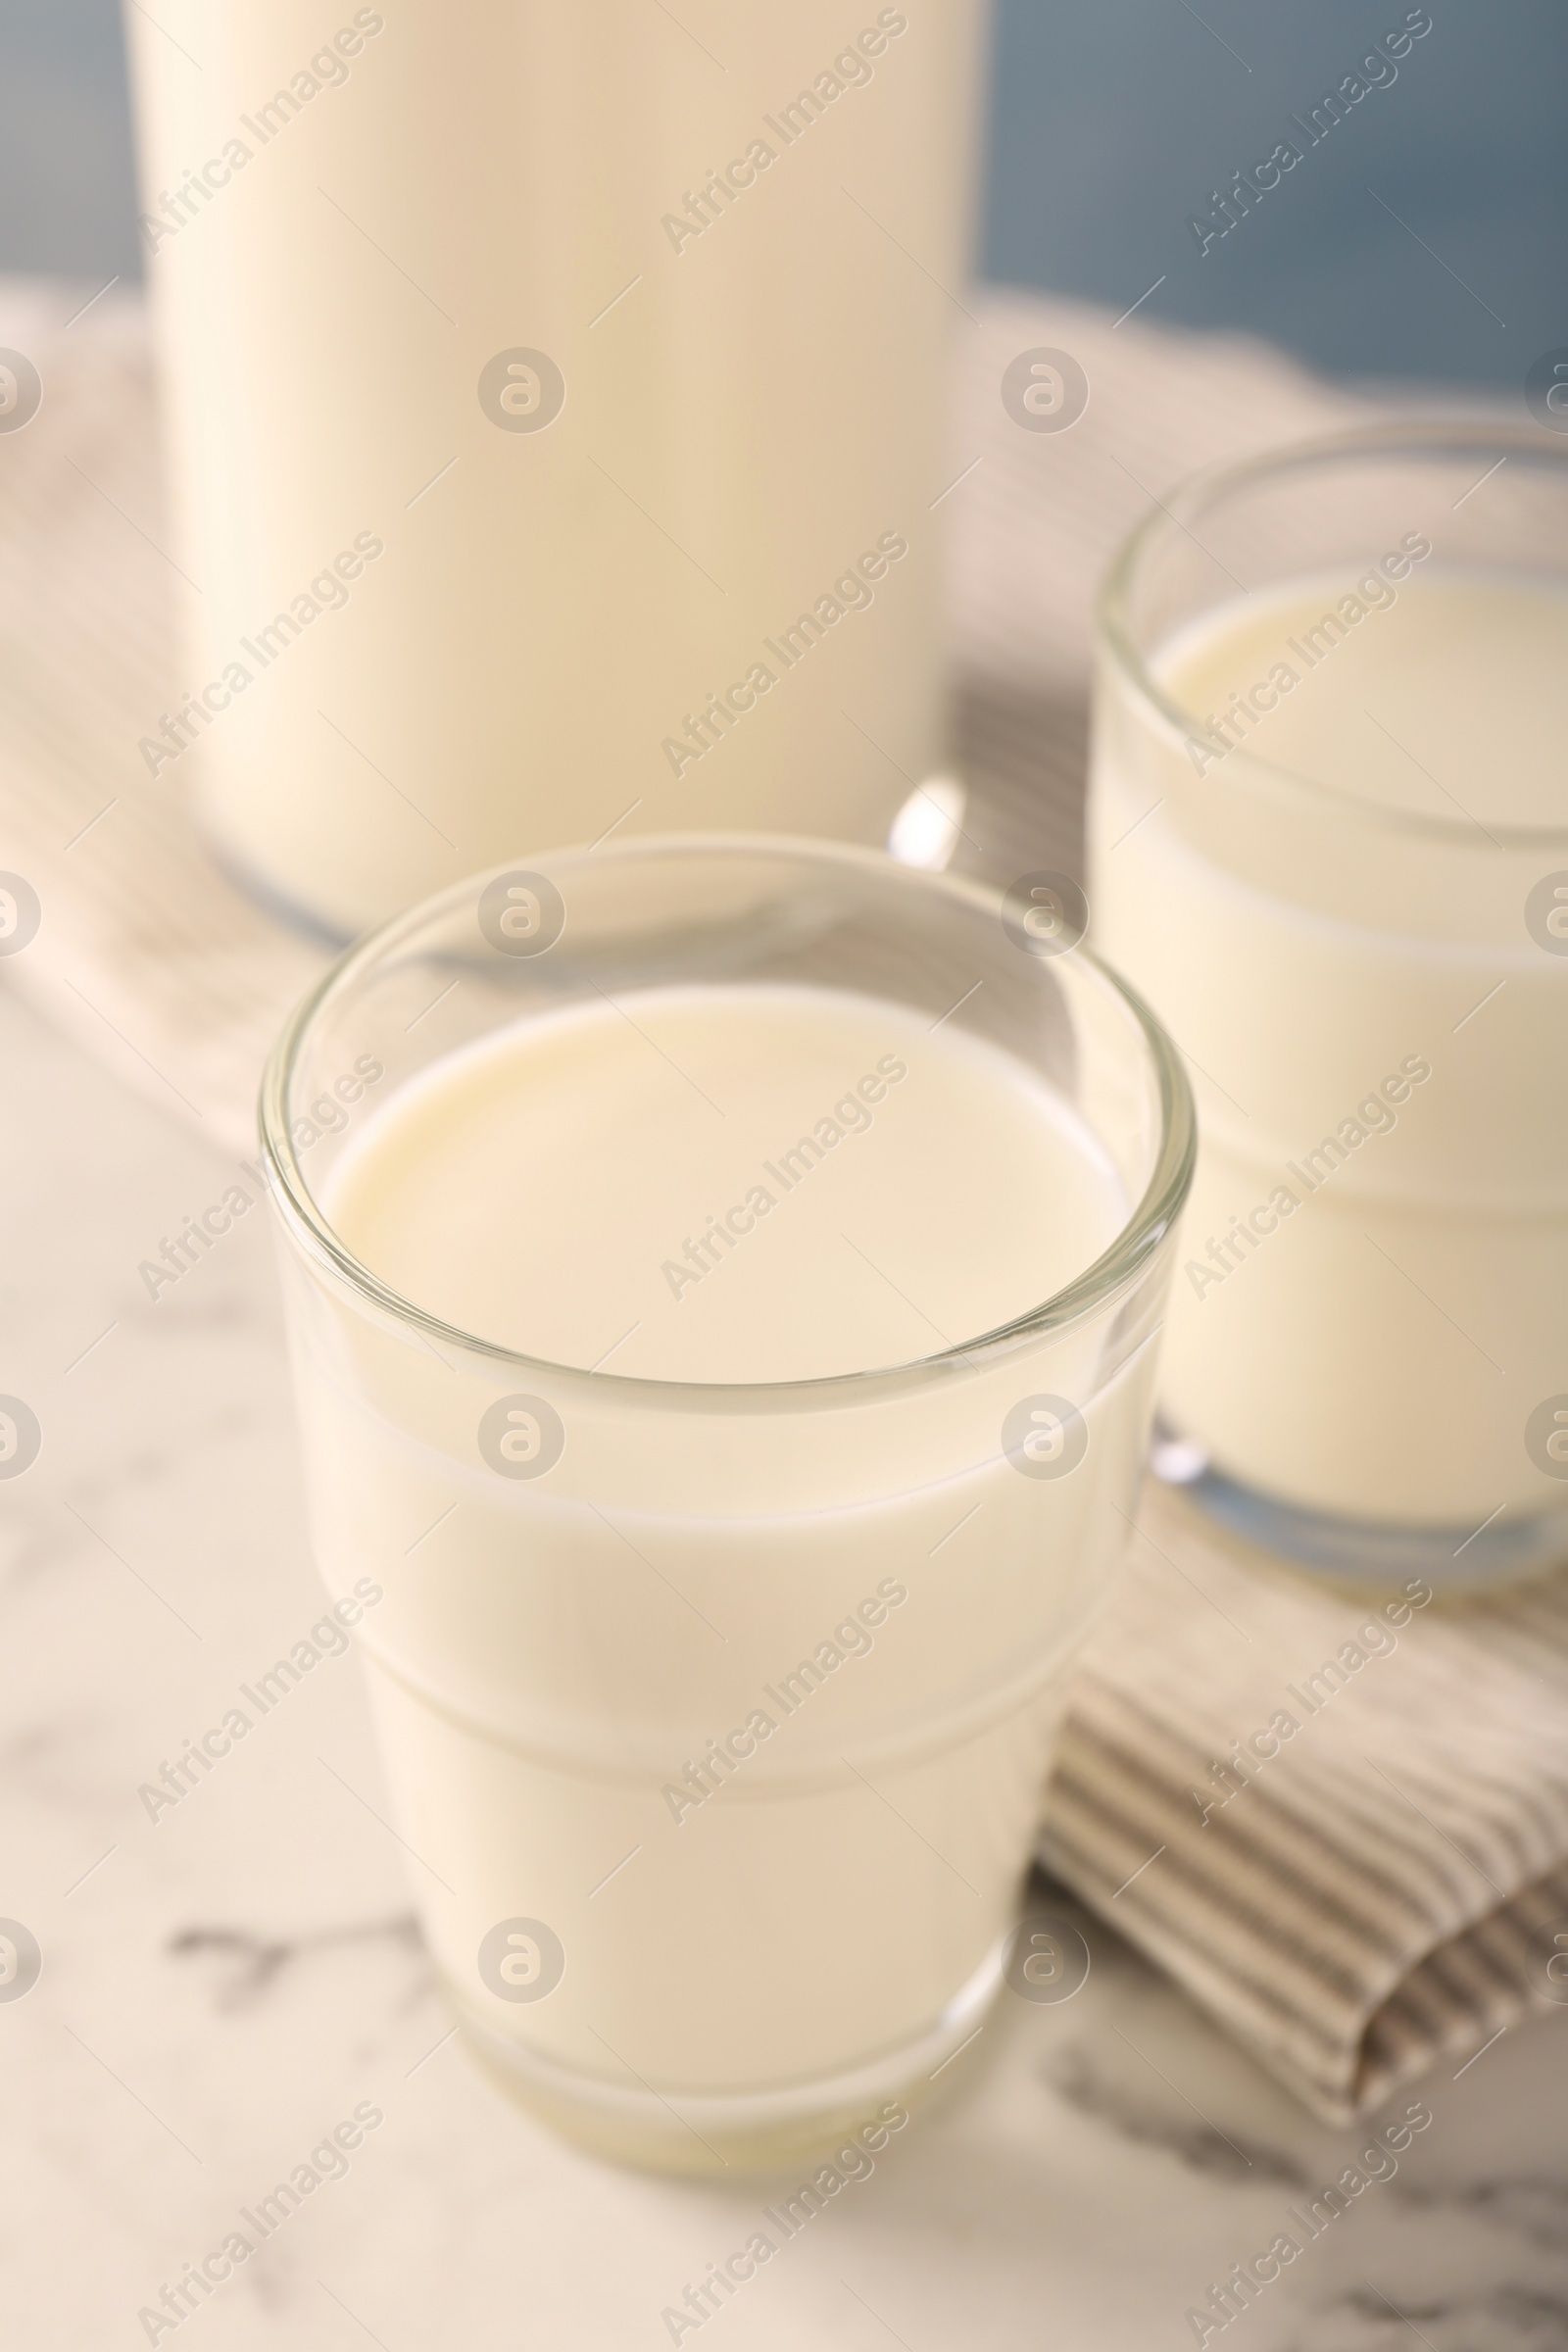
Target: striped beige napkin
1378, 1891
147, 953
1339, 1819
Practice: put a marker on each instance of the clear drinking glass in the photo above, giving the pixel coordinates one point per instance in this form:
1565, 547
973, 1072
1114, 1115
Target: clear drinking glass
542, 1649
1365, 1364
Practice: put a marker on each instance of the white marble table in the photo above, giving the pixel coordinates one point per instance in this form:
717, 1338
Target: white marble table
225, 1984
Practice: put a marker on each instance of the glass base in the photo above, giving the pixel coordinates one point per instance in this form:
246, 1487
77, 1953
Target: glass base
716, 2136
1363, 1552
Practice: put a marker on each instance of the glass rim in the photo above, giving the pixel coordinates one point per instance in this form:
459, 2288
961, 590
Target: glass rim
1196, 492
1134, 1243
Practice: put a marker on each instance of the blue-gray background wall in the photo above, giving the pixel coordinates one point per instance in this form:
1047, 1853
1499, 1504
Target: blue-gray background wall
1112, 121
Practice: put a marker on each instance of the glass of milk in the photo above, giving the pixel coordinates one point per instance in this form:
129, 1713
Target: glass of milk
556, 411
1330, 842
723, 1276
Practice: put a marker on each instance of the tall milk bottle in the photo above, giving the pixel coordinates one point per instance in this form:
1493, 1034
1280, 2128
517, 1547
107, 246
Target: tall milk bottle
555, 401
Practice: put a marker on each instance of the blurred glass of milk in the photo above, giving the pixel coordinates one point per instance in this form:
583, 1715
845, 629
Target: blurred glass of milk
555, 400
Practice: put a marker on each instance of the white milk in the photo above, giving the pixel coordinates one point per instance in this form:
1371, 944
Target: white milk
704, 593
566, 1249
1376, 1038
750, 1698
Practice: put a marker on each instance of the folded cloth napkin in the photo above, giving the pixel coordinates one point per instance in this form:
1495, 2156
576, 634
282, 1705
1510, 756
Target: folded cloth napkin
1382, 1887
1339, 1819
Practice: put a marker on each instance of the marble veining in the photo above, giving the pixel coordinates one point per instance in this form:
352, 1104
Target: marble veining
249, 1964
